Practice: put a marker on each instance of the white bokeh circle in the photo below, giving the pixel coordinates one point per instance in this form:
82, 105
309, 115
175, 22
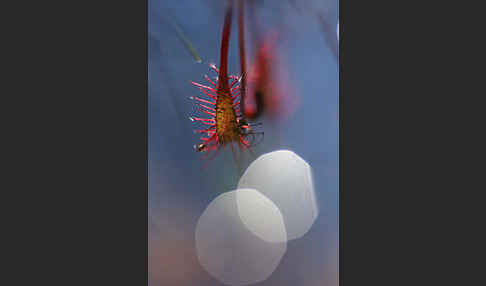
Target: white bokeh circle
228, 250
286, 179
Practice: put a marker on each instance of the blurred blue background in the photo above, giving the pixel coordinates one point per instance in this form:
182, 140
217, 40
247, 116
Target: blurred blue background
180, 189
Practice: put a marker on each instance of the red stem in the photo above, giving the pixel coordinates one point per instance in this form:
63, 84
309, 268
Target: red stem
241, 33
223, 70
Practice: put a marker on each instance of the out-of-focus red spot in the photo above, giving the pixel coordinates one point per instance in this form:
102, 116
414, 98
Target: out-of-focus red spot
268, 87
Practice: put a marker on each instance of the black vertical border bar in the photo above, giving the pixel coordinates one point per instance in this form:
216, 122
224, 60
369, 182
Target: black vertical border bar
78, 143
376, 109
